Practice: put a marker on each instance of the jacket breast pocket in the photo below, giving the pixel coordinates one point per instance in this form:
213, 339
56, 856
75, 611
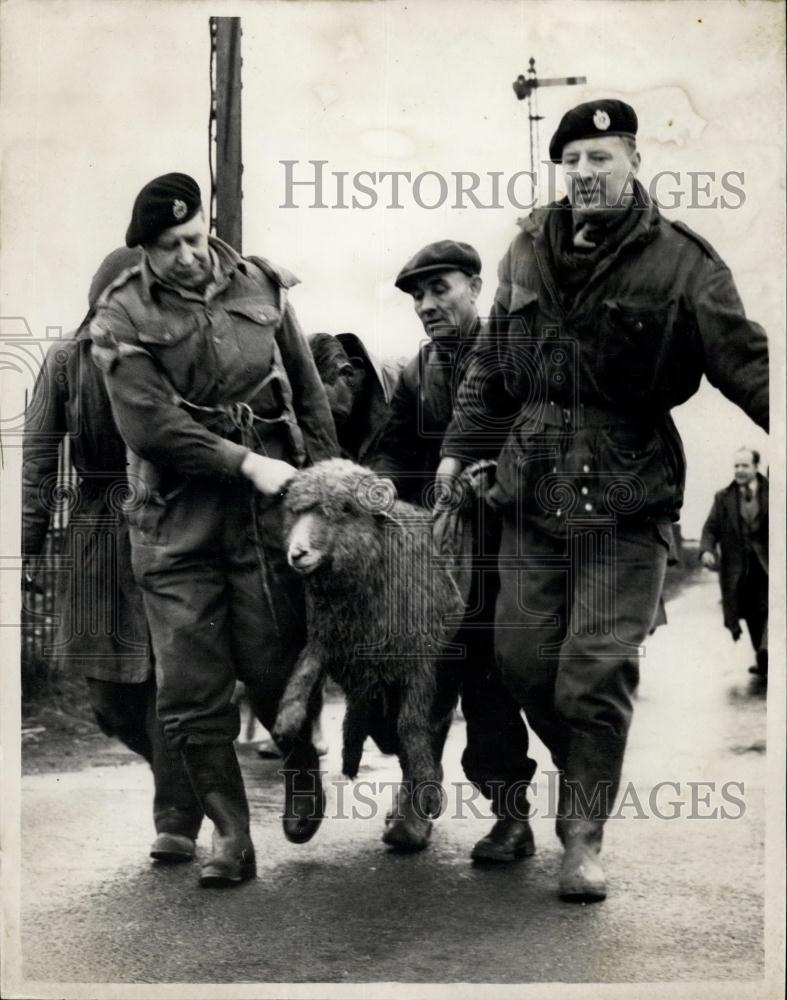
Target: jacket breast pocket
256, 308
172, 332
633, 338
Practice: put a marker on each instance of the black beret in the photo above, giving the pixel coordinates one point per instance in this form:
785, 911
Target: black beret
445, 255
592, 119
162, 203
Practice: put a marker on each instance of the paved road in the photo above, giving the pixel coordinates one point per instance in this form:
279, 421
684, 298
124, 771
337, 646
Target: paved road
686, 895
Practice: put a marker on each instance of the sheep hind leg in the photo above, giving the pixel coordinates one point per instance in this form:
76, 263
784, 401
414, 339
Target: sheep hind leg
409, 828
355, 729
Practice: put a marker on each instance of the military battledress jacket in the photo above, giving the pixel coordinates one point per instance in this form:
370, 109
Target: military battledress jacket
579, 392
201, 383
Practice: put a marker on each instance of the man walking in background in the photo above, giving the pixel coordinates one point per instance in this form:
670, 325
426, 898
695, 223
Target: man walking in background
735, 542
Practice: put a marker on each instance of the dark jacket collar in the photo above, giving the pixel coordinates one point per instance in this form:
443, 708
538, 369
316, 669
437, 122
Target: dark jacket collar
228, 261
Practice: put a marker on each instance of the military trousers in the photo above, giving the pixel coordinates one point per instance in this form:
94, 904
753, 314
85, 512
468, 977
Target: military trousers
572, 614
222, 605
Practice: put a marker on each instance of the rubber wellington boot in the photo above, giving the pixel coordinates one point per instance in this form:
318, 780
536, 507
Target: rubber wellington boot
582, 878
405, 830
216, 777
511, 838
588, 790
177, 812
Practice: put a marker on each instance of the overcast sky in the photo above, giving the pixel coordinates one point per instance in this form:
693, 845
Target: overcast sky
98, 98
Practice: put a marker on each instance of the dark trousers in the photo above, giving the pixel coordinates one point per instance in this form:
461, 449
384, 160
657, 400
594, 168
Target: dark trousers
571, 618
753, 606
222, 605
128, 712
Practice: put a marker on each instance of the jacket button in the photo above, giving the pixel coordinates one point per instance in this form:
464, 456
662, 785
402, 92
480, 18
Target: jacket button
558, 512
584, 491
588, 506
586, 468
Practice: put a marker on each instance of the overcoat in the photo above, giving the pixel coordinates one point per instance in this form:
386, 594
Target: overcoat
101, 623
723, 533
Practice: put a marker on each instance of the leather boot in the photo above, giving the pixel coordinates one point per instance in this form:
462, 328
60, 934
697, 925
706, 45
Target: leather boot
588, 789
511, 838
582, 878
304, 798
217, 780
405, 830
177, 812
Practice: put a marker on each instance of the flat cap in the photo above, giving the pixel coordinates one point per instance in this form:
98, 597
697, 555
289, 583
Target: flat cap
590, 120
162, 203
445, 255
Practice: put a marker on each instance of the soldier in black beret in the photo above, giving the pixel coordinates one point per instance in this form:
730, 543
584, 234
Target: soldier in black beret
444, 280
606, 316
217, 398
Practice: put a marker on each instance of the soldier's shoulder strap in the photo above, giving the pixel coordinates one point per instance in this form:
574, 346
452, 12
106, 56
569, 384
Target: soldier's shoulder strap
696, 238
278, 275
119, 282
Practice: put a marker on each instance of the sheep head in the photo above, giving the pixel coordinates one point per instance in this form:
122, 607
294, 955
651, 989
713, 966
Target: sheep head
333, 513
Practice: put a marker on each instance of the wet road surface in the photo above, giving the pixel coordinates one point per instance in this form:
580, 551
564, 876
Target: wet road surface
686, 894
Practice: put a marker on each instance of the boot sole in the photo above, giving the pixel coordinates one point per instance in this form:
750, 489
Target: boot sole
171, 857
221, 880
583, 895
492, 855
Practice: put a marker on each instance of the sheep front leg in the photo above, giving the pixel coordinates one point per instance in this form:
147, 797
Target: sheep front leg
415, 736
293, 707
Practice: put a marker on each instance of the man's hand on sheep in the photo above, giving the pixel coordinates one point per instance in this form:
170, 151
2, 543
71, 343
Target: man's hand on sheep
269, 475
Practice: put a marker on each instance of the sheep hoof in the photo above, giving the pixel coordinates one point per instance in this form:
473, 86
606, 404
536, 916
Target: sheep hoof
406, 831
289, 723
304, 805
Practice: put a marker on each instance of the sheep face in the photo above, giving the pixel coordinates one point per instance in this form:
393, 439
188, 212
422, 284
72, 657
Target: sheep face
309, 543
333, 511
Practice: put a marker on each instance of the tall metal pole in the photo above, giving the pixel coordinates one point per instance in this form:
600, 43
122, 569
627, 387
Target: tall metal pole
226, 100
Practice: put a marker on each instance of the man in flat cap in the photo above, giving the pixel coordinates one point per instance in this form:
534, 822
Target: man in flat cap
444, 280
606, 316
216, 396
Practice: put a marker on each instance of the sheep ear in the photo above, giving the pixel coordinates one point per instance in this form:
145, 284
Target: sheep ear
380, 496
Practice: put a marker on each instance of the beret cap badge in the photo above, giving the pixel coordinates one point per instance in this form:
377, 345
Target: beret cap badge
164, 202
606, 116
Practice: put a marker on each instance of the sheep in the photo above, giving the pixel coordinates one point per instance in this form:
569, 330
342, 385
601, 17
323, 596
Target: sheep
380, 613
